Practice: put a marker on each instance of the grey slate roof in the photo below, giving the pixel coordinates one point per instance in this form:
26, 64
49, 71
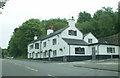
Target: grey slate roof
55, 33
50, 35
74, 41
35, 40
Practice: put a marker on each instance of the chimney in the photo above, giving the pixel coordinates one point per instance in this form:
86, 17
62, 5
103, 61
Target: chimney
50, 30
71, 22
35, 37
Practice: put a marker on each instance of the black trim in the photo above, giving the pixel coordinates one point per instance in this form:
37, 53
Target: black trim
78, 58
103, 44
60, 77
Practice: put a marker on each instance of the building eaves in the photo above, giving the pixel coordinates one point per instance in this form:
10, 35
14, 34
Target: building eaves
35, 40
50, 35
103, 44
55, 33
75, 42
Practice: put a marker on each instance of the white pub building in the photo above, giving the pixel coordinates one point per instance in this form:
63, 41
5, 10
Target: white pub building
69, 44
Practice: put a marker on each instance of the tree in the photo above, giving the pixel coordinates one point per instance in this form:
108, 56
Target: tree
23, 35
2, 4
106, 26
56, 23
118, 14
83, 16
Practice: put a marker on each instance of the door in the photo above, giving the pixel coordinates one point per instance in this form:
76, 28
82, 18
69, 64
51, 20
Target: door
93, 53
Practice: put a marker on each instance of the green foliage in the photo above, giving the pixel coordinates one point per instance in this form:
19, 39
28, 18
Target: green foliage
83, 17
4, 53
104, 23
2, 4
23, 35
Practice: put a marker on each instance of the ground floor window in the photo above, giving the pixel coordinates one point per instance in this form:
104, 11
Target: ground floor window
110, 50
54, 53
79, 50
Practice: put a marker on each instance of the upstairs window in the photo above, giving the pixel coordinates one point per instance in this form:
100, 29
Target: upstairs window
36, 45
79, 50
89, 40
72, 32
110, 50
54, 41
31, 47
44, 44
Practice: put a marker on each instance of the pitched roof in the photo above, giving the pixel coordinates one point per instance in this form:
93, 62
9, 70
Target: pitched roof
86, 34
35, 40
74, 41
50, 35
55, 33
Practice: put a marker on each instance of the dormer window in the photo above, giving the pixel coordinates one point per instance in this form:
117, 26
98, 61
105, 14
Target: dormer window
89, 40
72, 32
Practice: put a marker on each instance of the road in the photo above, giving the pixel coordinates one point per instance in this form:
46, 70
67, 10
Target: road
12, 67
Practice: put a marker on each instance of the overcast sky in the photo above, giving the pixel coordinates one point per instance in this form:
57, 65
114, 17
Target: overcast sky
18, 11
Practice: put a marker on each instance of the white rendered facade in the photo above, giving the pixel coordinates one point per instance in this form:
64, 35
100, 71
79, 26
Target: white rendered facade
61, 43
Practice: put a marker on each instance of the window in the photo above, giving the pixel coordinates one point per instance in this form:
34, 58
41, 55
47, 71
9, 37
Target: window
89, 40
110, 50
44, 44
54, 53
54, 41
31, 47
36, 45
79, 50
72, 32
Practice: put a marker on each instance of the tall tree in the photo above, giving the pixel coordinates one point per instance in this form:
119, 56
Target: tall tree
118, 25
24, 35
83, 16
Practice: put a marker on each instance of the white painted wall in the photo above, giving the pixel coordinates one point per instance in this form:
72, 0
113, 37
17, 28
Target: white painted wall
72, 50
49, 31
103, 50
60, 44
66, 35
33, 50
71, 22
90, 36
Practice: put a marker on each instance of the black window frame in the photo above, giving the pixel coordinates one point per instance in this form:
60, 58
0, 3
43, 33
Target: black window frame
54, 41
36, 45
44, 44
110, 50
90, 40
72, 32
79, 50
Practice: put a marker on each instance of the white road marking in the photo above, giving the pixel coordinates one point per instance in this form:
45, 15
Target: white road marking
109, 63
52, 76
49, 75
17, 64
31, 69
